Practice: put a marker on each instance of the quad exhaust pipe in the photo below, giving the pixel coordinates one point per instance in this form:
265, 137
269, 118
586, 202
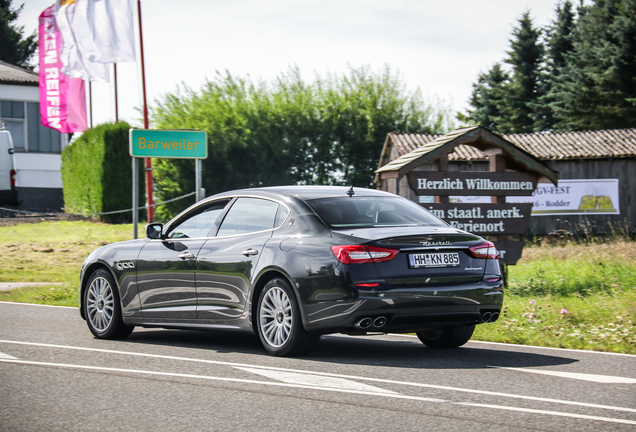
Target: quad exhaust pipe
366, 322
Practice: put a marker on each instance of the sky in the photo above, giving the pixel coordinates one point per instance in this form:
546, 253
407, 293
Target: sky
437, 46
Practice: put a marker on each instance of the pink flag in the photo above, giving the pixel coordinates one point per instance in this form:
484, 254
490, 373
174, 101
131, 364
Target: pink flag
62, 99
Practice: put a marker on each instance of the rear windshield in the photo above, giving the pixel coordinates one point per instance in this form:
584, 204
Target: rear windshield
365, 212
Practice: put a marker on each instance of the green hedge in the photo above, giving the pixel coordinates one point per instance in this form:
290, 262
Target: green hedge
97, 173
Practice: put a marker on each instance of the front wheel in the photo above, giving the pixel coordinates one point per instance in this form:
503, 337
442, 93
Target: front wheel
102, 308
280, 327
446, 337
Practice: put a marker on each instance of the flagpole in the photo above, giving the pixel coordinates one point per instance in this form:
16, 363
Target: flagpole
116, 105
148, 161
90, 99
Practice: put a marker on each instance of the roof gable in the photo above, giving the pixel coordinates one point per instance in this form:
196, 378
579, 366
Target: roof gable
475, 141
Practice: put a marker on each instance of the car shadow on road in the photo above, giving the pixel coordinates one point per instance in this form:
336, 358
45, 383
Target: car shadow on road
393, 351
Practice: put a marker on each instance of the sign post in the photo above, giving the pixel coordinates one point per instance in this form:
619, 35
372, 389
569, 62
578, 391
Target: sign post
171, 144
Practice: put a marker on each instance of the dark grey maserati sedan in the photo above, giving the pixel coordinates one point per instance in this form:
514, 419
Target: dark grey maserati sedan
292, 263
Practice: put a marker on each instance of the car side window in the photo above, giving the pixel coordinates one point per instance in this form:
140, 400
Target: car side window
200, 222
249, 215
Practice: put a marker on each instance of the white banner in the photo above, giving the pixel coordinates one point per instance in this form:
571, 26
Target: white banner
570, 197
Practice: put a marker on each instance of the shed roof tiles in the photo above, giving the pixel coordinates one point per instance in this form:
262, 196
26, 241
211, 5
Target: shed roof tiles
10, 74
545, 146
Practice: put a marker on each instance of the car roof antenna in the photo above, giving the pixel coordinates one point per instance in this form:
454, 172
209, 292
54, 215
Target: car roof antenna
350, 192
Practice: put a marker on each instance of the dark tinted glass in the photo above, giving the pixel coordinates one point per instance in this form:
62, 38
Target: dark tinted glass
248, 215
358, 212
201, 223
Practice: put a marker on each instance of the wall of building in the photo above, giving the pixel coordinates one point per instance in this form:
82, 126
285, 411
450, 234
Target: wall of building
38, 161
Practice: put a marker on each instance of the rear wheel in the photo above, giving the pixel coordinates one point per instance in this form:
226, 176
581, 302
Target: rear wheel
446, 337
280, 327
102, 308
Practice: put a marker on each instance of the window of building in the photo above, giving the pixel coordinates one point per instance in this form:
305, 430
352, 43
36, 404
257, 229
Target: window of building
22, 119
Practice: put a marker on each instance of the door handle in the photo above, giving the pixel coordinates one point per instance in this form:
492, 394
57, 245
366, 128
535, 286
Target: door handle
187, 256
250, 252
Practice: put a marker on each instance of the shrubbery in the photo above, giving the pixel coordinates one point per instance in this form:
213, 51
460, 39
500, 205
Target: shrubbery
97, 173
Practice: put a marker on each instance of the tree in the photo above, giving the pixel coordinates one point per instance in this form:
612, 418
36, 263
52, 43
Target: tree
559, 45
486, 97
14, 49
329, 131
525, 57
597, 87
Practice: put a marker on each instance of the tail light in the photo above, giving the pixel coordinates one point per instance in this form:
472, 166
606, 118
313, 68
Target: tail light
12, 177
484, 250
358, 254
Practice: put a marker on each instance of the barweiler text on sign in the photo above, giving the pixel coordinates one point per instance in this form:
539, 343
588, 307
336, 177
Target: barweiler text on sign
157, 143
181, 144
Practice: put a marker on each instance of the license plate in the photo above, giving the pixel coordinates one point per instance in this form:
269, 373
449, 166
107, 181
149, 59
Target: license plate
445, 259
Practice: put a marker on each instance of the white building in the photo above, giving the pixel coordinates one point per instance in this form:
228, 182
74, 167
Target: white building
38, 149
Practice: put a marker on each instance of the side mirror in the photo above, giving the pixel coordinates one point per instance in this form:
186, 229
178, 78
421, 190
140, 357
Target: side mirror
154, 230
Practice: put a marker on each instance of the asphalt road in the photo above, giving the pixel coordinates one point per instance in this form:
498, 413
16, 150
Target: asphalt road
54, 376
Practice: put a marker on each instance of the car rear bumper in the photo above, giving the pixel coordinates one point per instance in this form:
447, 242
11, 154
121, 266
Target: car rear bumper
407, 309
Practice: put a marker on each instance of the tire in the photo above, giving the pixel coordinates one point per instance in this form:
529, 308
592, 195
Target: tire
446, 337
102, 307
278, 321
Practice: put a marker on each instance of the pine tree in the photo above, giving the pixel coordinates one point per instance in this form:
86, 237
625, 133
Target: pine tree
559, 44
522, 91
597, 87
13, 48
486, 97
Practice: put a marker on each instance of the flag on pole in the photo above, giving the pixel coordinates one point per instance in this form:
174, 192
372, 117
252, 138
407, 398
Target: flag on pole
62, 99
76, 63
95, 33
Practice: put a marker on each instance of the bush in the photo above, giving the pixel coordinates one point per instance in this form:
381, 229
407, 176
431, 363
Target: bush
97, 173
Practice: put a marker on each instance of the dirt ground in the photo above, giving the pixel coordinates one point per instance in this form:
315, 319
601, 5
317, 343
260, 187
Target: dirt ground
35, 218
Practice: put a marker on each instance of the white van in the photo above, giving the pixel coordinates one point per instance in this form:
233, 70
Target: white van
8, 191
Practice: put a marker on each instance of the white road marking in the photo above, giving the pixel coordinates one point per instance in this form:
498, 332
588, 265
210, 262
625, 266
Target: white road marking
213, 378
315, 380
7, 356
532, 346
338, 390
605, 379
554, 413
359, 378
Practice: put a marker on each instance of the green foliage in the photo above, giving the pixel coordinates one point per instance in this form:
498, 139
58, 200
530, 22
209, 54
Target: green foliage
14, 49
328, 131
586, 80
575, 268
599, 322
597, 87
97, 173
487, 97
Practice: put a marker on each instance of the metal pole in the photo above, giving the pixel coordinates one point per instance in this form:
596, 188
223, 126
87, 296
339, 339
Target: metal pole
135, 196
197, 179
148, 161
116, 104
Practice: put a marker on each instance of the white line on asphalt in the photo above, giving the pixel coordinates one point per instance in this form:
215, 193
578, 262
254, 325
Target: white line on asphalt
555, 413
377, 380
35, 304
314, 380
533, 347
413, 336
7, 356
212, 378
605, 379
337, 390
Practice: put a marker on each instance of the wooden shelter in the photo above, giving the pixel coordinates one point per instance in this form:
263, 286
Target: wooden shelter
591, 156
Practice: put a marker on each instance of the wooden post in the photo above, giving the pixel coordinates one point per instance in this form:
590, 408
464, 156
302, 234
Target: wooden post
441, 165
